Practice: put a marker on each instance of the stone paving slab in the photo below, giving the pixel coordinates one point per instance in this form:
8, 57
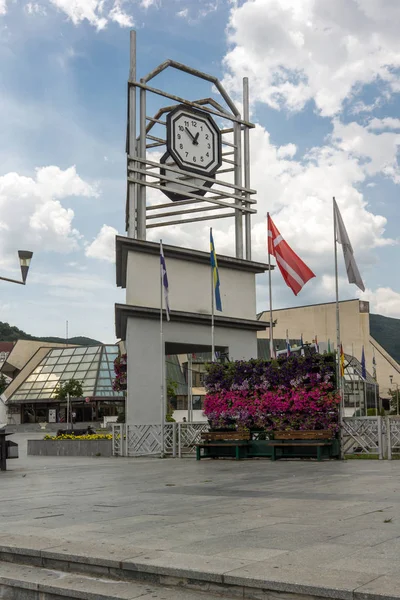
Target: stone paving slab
286, 523
383, 588
324, 583
48, 581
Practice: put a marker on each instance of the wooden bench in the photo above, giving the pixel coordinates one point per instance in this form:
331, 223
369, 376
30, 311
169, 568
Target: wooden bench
214, 443
299, 440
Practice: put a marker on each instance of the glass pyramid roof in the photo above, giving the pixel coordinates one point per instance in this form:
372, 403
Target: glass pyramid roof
93, 366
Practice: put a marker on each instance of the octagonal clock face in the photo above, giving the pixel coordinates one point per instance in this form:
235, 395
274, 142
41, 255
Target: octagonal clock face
194, 140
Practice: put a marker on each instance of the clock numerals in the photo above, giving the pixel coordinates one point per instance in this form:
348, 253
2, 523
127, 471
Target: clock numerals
194, 140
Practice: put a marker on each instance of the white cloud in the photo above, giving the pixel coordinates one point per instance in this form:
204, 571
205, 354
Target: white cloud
97, 12
119, 16
183, 14
3, 7
299, 193
384, 301
147, 3
72, 280
298, 50
373, 142
32, 215
197, 11
33, 8
103, 246
81, 10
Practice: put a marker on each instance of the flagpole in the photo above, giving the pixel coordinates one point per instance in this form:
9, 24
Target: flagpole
375, 379
338, 344
162, 360
339, 375
212, 311
271, 325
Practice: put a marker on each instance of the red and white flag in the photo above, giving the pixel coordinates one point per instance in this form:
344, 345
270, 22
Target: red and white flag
294, 271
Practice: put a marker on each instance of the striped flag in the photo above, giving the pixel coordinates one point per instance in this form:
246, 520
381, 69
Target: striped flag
215, 273
164, 280
294, 271
374, 366
316, 344
341, 361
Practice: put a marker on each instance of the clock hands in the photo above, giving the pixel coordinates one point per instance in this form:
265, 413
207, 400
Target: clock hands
194, 137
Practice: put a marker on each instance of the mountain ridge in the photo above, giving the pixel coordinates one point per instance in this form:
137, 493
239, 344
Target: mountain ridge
386, 331
11, 333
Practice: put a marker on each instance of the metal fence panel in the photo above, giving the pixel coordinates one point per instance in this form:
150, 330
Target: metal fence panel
362, 435
118, 431
189, 434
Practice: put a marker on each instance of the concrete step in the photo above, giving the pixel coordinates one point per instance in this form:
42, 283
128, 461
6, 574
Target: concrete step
23, 582
34, 568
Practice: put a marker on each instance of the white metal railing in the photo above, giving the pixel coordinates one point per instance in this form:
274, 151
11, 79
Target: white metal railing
146, 440
118, 434
362, 435
392, 430
189, 435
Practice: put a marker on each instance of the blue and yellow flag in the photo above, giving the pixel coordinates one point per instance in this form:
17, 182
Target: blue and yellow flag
215, 274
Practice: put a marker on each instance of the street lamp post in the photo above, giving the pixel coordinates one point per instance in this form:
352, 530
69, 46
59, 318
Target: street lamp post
25, 258
397, 393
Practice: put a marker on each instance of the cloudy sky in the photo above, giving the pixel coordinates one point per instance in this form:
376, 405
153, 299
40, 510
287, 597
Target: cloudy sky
324, 80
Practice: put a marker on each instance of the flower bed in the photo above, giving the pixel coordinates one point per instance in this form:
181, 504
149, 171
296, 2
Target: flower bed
296, 393
95, 436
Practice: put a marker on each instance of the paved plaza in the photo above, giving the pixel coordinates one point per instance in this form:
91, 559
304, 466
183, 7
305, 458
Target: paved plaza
331, 525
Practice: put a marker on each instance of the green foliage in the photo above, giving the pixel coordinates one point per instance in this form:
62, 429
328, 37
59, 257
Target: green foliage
73, 387
3, 383
10, 333
371, 412
386, 331
172, 388
395, 401
169, 413
121, 417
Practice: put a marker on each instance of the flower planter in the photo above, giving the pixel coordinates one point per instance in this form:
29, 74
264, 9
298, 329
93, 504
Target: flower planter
70, 447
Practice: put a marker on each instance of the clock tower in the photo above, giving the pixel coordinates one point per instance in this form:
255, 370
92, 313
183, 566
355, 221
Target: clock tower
193, 155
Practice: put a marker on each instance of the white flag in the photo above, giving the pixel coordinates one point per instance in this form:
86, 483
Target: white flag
353, 274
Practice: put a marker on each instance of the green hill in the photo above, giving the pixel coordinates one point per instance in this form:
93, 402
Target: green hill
386, 331
9, 333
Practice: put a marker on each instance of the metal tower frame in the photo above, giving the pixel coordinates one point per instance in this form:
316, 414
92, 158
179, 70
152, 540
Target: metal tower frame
224, 199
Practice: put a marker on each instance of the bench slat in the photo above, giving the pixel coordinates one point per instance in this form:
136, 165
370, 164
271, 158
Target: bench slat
303, 435
300, 444
225, 435
222, 444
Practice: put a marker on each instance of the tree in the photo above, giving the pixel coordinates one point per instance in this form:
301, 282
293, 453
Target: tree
172, 388
73, 387
394, 400
3, 383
